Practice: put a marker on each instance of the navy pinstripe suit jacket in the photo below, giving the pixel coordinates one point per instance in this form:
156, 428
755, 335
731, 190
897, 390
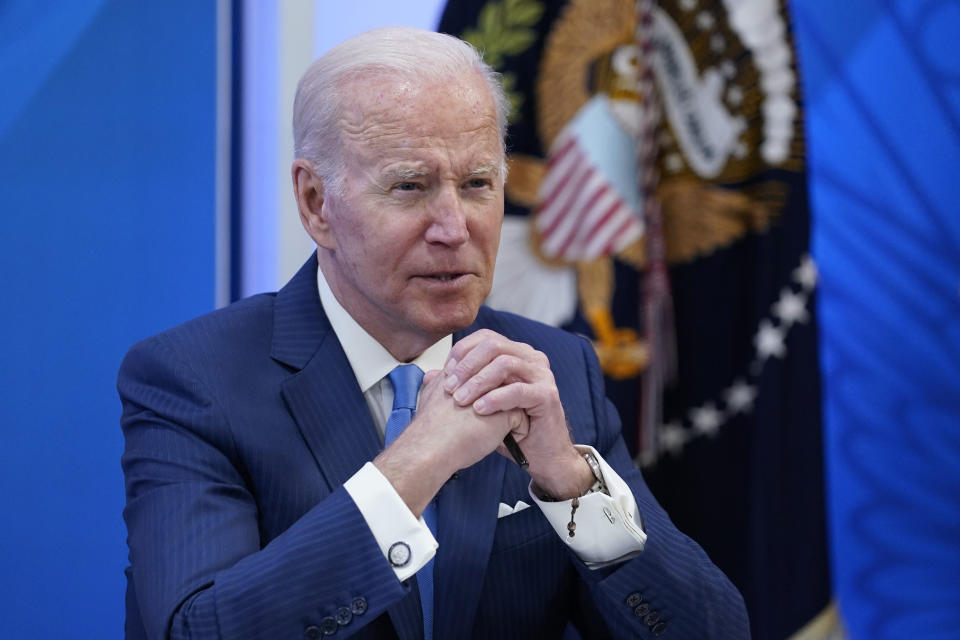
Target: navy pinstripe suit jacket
241, 427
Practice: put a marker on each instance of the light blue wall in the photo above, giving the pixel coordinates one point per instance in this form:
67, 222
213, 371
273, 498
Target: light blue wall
107, 221
276, 50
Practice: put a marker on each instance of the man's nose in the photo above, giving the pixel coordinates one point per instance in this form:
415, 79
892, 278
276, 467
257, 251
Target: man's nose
448, 219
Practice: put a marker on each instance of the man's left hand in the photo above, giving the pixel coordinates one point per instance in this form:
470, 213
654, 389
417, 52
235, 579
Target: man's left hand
494, 374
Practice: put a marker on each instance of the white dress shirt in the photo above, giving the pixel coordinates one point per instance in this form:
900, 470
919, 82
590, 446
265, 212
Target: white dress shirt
609, 527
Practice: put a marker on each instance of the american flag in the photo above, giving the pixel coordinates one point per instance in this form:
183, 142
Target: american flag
581, 215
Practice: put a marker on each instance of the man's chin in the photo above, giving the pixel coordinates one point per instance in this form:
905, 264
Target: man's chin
446, 326
444, 321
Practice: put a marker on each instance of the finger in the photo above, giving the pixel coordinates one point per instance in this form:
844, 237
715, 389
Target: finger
503, 369
530, 398
430, 376
467, 343
475, 345
468, 355
519, 423
482, 354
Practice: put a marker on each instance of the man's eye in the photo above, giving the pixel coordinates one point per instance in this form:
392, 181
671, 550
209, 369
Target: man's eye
406, 186
478, 183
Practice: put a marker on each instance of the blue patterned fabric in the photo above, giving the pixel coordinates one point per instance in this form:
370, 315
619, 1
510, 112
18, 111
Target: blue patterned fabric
406, 380
882, 81
241, 427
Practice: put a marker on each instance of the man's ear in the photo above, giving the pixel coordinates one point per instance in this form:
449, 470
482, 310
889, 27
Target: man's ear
308, 187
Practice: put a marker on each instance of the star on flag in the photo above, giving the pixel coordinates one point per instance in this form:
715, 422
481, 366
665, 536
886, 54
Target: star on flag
706, 419
791, 307
740, 396
806, 273
769, 341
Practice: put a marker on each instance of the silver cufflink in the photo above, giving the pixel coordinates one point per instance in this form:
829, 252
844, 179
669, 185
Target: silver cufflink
399, 554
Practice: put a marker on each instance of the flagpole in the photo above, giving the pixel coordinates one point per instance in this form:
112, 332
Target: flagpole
657, 301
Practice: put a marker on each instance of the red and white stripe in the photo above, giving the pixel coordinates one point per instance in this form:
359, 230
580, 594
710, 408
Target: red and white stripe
580, 215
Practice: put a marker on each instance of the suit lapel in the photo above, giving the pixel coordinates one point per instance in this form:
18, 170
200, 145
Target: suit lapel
323, 392
318, 398
326, 402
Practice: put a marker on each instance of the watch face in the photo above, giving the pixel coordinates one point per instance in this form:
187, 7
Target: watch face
399, 554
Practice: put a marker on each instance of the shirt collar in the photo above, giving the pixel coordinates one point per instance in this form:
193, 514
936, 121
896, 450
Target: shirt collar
368, 358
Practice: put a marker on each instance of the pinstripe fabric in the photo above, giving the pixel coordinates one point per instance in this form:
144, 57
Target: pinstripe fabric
242, 425
406, 380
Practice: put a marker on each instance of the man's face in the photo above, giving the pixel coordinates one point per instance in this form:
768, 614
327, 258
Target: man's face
413, 237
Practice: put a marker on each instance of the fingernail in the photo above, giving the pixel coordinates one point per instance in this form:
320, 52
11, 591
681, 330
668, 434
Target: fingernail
450, 383
460, 395
451, 363
480, 405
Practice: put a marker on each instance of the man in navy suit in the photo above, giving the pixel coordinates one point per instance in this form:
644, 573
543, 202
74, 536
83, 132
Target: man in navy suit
262, 501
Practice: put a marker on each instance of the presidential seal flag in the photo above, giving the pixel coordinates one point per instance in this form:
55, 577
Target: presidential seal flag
667, 138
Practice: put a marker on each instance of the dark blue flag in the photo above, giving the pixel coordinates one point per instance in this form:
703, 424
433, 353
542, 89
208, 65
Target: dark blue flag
736, 459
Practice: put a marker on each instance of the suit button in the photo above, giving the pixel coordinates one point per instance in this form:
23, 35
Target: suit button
652, 618
328, 626
641, 609
634, 599
658, 628
312, 632
344, 616
359, 606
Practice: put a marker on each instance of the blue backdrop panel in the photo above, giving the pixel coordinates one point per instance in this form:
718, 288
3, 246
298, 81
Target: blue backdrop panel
883, 86
107, 217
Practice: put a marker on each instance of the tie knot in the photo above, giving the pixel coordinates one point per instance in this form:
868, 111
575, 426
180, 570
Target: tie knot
406, 380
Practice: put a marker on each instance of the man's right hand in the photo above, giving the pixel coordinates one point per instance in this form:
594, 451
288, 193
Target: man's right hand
442, 439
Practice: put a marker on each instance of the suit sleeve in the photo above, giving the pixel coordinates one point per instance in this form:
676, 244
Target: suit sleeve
672, 589
198, 566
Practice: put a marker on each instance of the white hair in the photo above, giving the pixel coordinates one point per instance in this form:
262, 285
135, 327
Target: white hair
402, 52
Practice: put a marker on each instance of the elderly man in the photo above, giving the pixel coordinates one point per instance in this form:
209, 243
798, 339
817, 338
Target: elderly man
283, 478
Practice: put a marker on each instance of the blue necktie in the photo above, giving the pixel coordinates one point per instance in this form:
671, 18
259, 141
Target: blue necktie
406, 380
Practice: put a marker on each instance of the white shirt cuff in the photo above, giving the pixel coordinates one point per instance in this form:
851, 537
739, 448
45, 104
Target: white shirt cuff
609, 527
391, 522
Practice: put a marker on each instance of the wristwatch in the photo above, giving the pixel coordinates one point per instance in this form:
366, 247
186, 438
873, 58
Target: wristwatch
599, 485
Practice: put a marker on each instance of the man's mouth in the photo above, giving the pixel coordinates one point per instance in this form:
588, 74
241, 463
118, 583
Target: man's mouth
445, 277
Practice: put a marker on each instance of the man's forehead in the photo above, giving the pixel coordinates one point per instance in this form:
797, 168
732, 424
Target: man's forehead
398, 105
402, 127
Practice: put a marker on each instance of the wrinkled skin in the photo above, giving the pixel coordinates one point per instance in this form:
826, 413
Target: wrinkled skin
408, 246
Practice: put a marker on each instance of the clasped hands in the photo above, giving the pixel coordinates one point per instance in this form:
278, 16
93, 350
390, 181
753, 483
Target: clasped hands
490, 386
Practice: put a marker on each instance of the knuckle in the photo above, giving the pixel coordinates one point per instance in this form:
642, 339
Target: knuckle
506, 361
550, 380
529, 397
485, 336
480, 379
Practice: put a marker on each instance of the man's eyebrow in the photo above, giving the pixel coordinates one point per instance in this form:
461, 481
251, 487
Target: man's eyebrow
404, 173
484, 170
